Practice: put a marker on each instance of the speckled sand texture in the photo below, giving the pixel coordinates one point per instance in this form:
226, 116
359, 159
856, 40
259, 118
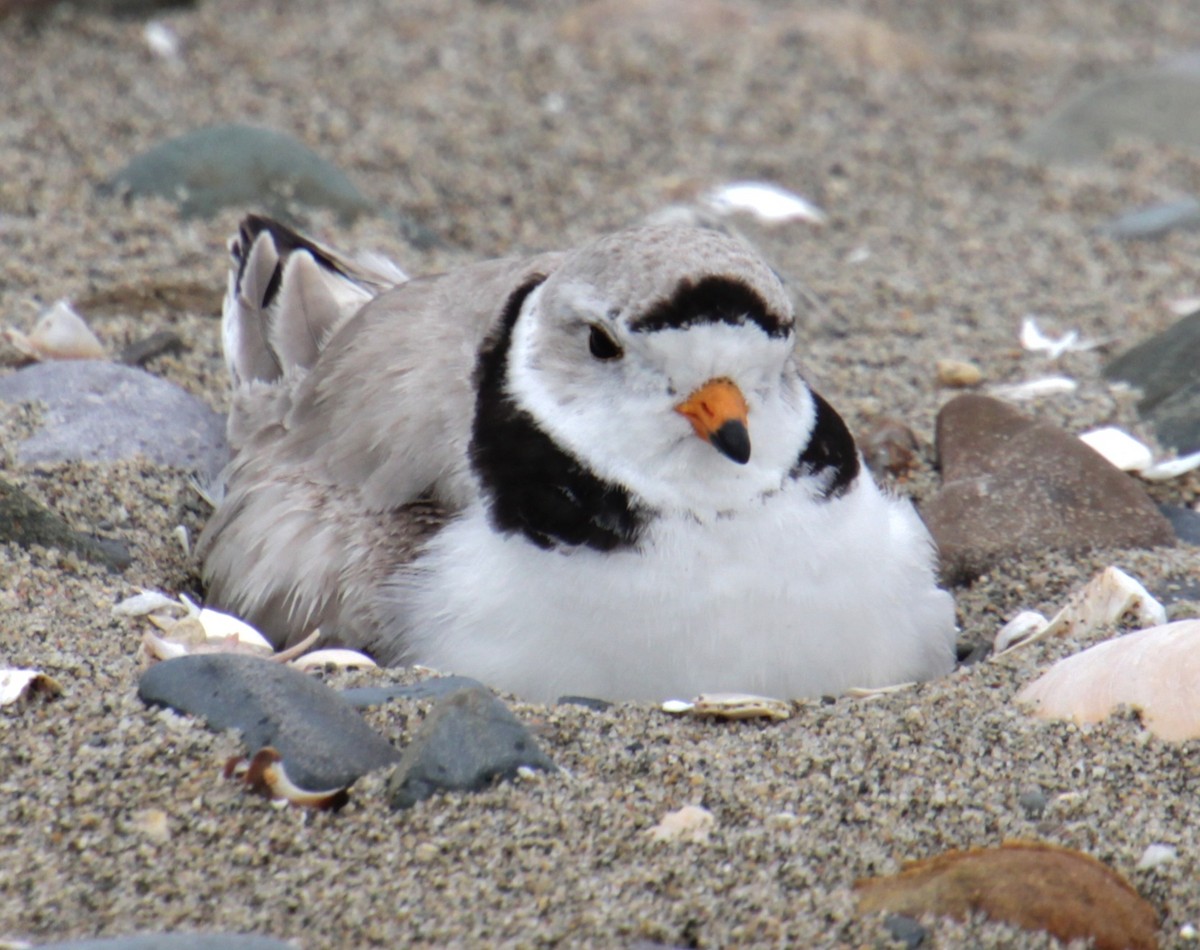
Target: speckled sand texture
512, 127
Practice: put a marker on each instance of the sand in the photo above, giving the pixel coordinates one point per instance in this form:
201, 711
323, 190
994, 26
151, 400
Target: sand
511, 127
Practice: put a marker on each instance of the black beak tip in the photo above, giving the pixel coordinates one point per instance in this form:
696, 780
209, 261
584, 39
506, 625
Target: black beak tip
733, 441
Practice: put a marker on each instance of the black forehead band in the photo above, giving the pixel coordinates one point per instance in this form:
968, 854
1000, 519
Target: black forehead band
713, 299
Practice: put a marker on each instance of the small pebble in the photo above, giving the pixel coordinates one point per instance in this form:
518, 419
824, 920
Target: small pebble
906, 930
958, 374
1033, 803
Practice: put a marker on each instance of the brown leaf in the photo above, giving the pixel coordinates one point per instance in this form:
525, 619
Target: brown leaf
1031, 885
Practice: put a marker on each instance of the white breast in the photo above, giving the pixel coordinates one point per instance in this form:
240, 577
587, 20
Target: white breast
791, 598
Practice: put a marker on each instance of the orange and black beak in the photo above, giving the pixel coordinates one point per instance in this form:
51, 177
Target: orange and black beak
718, 412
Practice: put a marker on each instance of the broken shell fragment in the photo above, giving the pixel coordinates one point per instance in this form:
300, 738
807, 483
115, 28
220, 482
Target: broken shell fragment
1035, 388
766, 202
1120, 449
16, 685
689, 823
59, 334
730, 706
1155, 671
1103, 601
265, 773
339, 658
1023, 627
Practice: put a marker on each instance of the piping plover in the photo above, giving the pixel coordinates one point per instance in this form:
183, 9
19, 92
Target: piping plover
596, 472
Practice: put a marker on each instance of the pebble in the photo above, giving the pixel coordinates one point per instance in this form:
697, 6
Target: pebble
1155, 221
1156, 855
1013, 485
906, 930
889, 447
467, 742
1033, 803
322, 740
241, 166
98, 411
1164, 369
958, 374
25, 522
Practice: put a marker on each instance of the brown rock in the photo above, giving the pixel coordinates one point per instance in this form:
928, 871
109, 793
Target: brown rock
1033, 886
1011, 485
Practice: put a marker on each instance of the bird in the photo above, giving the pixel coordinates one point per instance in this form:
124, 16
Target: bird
598, 471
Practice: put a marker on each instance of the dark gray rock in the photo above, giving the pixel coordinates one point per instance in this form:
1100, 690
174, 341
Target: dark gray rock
1184, 521
324, 743
239, 166
905, 930
1159, 104
98, 411
1166, 368
1033, 803
174, 942
1156, 221
469, 740
1013, 485
24, 522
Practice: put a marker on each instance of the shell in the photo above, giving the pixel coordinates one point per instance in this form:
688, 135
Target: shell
1103, 601
1033, 340
1025, 626
59, 334
16, 685
764, 201
1156, 671
264, 772
1119, 448
1036, 388
342, 659
871, 692
1171, 468
730, 706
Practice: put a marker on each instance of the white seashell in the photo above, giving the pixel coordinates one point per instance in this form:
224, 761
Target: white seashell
59, 334
872, 692
162, 40
767, 202
731, 706
1171, 468
343, 659
1103, 601
1156, 671
1035, 341
860, 255
1184, 306
1119, 448
689, 823
1156, 855
16, 685
1026, 624
148, 602
1036, 388
219, 626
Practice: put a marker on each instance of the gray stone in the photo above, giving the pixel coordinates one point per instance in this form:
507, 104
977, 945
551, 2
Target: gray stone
98, 411
1160, 104
469, 740
1012, 485
1033, 803
24, 522
323, 742
239, 166
1166, 368
1156, 220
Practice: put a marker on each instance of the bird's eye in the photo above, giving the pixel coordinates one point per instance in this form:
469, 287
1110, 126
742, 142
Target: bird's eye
603, 346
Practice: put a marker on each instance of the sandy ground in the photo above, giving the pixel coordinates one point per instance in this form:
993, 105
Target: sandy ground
510, 127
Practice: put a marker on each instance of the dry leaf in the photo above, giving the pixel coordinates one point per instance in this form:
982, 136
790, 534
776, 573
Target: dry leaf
1033, 886
1156, 671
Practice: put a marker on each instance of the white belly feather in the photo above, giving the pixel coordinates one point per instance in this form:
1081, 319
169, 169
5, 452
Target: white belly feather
788, 599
